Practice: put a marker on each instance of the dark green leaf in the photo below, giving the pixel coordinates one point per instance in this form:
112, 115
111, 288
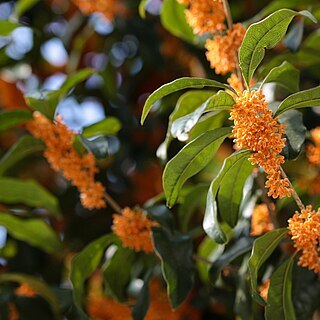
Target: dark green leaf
236, 250
177, 85
264, 34
295, 133
24, 147
39, 286
306, 98
279, 304
190, 160
28, 192
35, 232
286, 75
99, 146
173, 19
9, 119
108, 126
6, 27
162, 215
117, 272
22, 6
175, 252
211, 225
84, 264
261, 251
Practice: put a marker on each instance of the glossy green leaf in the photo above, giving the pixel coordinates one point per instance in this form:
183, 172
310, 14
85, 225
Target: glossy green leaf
240, 247
35, 232
295, 133
261, 251
211, 225
9, 119
108, 126
286, 75
24, 147
173, 19
175, 252
6, 27
190, 160
84, 264
280, 304
265, 35
177, 85
39, 286
28, 192
306, 98
117, 272
162, 215
231, 190
22, 6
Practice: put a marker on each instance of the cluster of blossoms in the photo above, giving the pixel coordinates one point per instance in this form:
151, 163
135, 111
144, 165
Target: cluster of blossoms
260, 221
313, 151
223, 49
256, 130
109, 8
305, 232
204, 16
62, 156
25, 290
134, 230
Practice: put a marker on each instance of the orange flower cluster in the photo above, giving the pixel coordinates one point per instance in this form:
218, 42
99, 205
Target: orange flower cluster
63, 157
205, 15
305, 233
134, 229
264, 289
260, 221
25, 290
222, 50
255, 129
109, 8
313, 151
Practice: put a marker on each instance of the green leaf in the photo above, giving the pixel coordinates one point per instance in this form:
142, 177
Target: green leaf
240, 247
35, 232
47, 101
211, 225
84, 264
39, 286
9, 119
182, 126
286, 75
22, 6
6, 27
279, 304
107, 127
190, 160
265, 34
306, 98
295, 133
294, 37
175, 252
22, 148
162, 215
173, 19
230, 192
117, 272
261, 251
177, 85
142, 8
28, 192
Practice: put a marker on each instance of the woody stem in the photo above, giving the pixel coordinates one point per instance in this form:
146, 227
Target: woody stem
113, 204
294, 193
227, 12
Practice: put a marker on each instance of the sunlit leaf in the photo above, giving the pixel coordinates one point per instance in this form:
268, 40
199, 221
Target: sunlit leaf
9, 119
108, 126
6, 27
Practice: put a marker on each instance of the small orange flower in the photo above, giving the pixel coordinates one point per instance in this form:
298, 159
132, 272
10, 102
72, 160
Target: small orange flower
109, 8
62, 156
305, 232
134, 229
264, 289
260, 222
222, 50
255, 129
205, 16
25, 290
313, 151
236, 83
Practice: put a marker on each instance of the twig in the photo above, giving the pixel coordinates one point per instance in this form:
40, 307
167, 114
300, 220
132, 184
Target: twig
294, 193
113, 204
